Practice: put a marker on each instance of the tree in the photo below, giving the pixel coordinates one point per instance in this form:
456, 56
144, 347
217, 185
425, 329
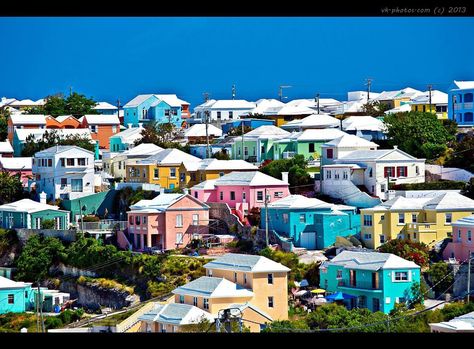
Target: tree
419, 134
463, 154
221, 155
299, 178
441, 277
237, 131
416, 252
416, 294
469, 189
374, 108
47, 224
37, 256
11, 188
75, 104
4, 115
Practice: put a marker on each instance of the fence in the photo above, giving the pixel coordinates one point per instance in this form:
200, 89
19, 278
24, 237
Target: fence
101, 225
135, 186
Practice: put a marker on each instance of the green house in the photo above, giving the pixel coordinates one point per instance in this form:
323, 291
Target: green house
30, 214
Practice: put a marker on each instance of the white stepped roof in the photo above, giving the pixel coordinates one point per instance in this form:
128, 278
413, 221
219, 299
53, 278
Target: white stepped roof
143, 149
465, 222
129, 135
401, 109
199, 130
28, 119
6, 283
464, 84
27, 205
213, 287
6, 147
450, 200
171, 99
362, 123
99, 119
105, 106
251, 178
300, 201
245, 262
266, 131
313, 121
169, 157
216, 165
371, 261
18, 163
351, 141
437, 97
62, 118
289, 109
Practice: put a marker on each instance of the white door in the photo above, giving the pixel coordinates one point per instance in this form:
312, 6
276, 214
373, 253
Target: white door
308, 240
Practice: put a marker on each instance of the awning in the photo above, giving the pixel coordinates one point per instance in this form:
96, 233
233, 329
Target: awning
339, 296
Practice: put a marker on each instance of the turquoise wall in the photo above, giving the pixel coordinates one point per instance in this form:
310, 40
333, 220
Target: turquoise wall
19, 223
94, 204
132, 115
21, 297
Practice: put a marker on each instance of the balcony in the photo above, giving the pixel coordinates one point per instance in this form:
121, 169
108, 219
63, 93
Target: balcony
103, 225
468, 105
420, 227
360, 285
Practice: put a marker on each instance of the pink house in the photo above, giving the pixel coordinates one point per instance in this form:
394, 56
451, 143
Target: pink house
242, 191
462, 244
167, 222
14, 166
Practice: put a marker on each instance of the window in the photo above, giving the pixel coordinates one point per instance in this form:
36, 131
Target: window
469, 236
172, 172
414, 236
370, 172
218, 114
259, 195
144, 219
459, 235
311, 147
402, 171
468, 117
345, 175
375, 304
367, 236
130, 220
195, 301
329, 153
179, 238
449, 217
285, 217
270, 302
205, 303
302, 218
401, 218
401, 276
81, 161
93, 128
195, 219
76, 185
70, 162
179, 220
246, 151
382, 239
156, 173
196, 194
414, 217
63, 182
417, 170
328, 174
167, 112
235, 277
262, 150
339, 274
137, 220
221, 195
278, 194
244, 196
231, 115
367, 220
114, 129
245, 278
232, 195
11, 299
209, 272
270, 278
388, 172
50, 162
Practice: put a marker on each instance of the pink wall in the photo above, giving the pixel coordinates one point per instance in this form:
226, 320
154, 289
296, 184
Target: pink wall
24, 175
164, 224
460, 247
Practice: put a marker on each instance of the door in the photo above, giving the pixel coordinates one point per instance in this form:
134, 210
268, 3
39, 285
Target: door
308, 240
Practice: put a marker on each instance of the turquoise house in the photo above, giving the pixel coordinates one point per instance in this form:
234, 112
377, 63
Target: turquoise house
15, 297
154, 108
30, 214
377, 281
309, 222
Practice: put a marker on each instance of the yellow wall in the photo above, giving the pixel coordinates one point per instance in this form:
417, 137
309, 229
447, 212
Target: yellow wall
164, 180
419, 107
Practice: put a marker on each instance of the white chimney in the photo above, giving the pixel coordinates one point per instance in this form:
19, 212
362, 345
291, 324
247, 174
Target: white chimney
395, 147
129, 125
42, 196
284, 177
140, 125
186, 191
162, 190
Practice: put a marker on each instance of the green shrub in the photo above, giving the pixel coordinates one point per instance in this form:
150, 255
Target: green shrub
52, 322
47, 224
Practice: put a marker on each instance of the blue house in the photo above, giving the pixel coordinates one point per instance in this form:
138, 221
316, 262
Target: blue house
460, 103
152, 107
15, 297
377, 281
252, 123
309, 222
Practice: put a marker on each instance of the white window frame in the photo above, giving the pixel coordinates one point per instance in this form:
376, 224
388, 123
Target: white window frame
394, 276
179, 221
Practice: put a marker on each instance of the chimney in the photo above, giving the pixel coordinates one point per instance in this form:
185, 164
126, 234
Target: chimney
140, 125
162, 190
186, 191
395, 147
284, 177
129, 125
42, 196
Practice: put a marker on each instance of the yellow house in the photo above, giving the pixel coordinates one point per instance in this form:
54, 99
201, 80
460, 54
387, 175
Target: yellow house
161, 168
253, 288
426, 220
192, 173
394, 99
438, 106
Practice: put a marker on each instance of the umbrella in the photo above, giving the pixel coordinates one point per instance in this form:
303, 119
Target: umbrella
318, 301
304, 283
300, 293
318, 290
339, 296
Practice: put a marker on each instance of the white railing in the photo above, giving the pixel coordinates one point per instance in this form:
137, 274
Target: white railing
468, 105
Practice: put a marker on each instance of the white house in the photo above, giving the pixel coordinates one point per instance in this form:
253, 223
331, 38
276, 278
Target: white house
65, 172
365, 166
312, 121
199, 131
365, 126
224, 109
460, 324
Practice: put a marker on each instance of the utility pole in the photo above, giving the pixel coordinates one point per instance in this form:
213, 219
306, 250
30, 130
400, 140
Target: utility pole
266, 218
369, 83
206, 96
243, 130
430, 88
206, 113
233, 91
469, 277
70, 90
317, 100
118, 107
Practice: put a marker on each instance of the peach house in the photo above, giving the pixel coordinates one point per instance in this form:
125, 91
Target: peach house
462, 242
242, 191
102, 127
21, 121
167, 222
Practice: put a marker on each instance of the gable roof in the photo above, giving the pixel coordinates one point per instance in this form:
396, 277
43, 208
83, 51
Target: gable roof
176, 314
169, 156
6, 283
62, 118
366, 122
143, 149
28, 119
266, 131
246, 262
162, 202
464, 84
199, 130
27, 205
313, 121
371, 261
300, 201
19, 163
213, 287
100, 119
171, 99
250, 178
104, 106
129, 135
138, 100
56, 149
350, 141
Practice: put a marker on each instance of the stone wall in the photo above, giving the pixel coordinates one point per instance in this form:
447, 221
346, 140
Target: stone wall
64, 235
460, 284
222, 212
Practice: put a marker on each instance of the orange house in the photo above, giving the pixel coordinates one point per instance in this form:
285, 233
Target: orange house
24, 121
68, 121
52, 122
102, 127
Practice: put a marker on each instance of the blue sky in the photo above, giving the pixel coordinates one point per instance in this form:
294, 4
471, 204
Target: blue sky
106, 58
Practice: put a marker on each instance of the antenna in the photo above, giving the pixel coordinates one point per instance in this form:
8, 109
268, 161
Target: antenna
280, 93
233, 91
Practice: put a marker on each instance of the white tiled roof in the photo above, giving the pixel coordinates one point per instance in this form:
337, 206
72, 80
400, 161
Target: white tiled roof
176, 314
371, 261
251, 178
299, 201
464, 84
463, 323
55, 149
465, 222
313, 121
213, 287
215, 165
199, 130
363, 123
362, 155
267, 131
401, 109
295, 110
129, 135
169, 157
172, 100
27, 205
105, 106
437, 97
7, 283
62, 118
102, 119
246, 262
206, 185
28, 119
143, 149
137, 100
158, 204
24, 102
62, 132
18, 163
450, 200
6, 147
351, 141
407, 92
